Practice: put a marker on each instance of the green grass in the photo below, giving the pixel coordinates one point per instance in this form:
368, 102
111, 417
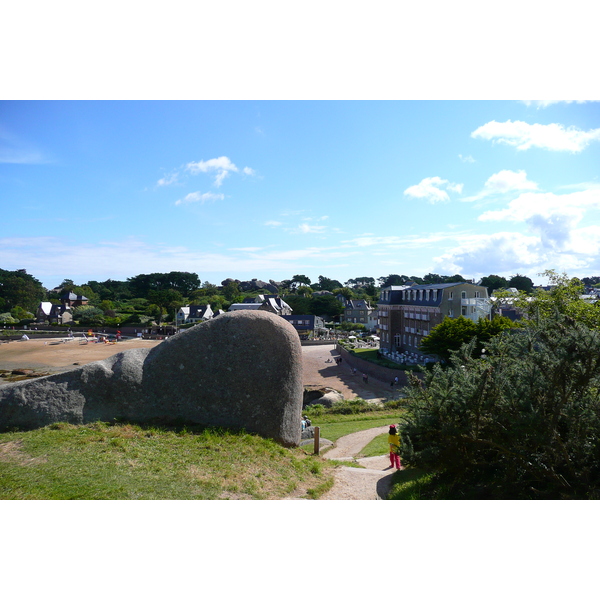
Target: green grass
371, 355
414, 484
377, 446
333, 431
102, 461
105, 462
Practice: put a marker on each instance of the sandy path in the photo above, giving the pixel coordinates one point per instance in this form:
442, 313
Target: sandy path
352, 483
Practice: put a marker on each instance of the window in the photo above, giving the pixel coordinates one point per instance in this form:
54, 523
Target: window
477, 294
420, 294
463, 311
427, 295
463, 295
435, 295
450, 295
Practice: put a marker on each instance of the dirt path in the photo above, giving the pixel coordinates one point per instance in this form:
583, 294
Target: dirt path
373, 482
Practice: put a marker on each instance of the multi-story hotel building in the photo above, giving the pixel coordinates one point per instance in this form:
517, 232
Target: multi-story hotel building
408, 313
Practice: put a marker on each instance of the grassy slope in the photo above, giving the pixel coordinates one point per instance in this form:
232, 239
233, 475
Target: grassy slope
101, 461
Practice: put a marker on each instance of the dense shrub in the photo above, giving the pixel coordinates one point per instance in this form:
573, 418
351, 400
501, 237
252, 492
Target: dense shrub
522, 423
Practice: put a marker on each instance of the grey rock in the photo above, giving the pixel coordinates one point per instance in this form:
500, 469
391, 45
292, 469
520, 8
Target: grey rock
242, 370
325, 396
308, 433
330, 398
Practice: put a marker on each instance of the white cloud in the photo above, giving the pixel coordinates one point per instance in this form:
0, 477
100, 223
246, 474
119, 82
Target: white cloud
546, 103
431, 190
529, 204
502, 252
199, 197
506, 181
308, 228
128, 257
503, 182
222, 166
168, 180
549, 137
466, 159
554, 217
273, 223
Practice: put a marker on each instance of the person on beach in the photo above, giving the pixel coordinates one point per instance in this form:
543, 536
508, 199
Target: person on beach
394, 442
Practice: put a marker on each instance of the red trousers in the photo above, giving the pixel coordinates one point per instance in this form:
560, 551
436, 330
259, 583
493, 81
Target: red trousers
395, 460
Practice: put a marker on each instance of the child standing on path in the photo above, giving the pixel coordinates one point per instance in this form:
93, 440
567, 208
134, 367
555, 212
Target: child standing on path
394, 442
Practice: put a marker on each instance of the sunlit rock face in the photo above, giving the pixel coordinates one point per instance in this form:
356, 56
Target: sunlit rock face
240, 370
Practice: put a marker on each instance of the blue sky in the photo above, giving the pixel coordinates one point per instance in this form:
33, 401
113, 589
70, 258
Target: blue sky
270, 189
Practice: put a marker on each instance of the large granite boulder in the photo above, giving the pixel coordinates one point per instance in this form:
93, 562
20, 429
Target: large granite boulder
240, 370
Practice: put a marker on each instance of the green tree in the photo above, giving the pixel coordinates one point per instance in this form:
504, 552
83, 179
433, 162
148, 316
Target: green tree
520, 424
455, 279
88, 316
326, 284
326, 306
300, 305
346, 292
231, 291
434, 278
18, 288
180, 281
494, 282
451, 334
521, 282
565, 298
167, 300
304, 290
298, 280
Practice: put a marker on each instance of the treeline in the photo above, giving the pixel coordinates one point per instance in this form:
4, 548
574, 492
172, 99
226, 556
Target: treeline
157, 296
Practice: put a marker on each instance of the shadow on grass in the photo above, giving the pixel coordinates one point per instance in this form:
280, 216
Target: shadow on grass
411, 484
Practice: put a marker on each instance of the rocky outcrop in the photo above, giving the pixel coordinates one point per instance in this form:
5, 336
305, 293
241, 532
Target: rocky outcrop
242, 370
321, 395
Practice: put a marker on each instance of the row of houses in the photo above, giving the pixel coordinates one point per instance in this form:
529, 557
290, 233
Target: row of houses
305, 325
60, 313
405, 314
